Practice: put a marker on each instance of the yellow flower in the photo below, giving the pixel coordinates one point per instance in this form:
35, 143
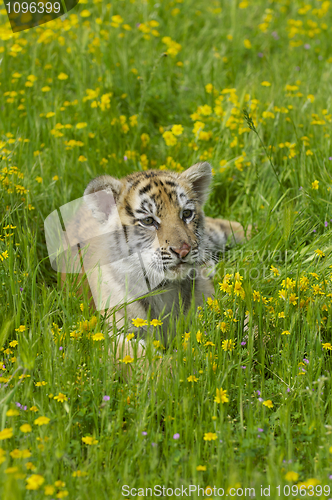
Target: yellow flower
49, 489
316, 289
16, 453
315, 184
223, 326
169, 138
39, 180
11, 470
89, 440
247, 44
314, 275
199, 336
6, 433
139, 322
86, 13
309, 482
209, 88
228, 345
62, 76
201, 467
225, 287
288, 283
61, 398
210, 436
275, 271
60, 484
157, 344
21, 328
30, 466
192, 378
34, 482
177, 129
133, 120
62, 494
130, 336
198, 126
34, 408
327, 346
26, 428
291, 476
79, 473
285, 332
98, 336
145, 138
221, 396
319, 253
127, 359
238, 277
268, 403
42, 421
238, 290
12, 413
117, 19
266, 84
46, 89
40, 384
156, 322
293, 299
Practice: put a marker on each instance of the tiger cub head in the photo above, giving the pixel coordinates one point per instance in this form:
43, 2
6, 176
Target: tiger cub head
157, 213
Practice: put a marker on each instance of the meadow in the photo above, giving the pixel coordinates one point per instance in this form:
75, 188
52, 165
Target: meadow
124, 86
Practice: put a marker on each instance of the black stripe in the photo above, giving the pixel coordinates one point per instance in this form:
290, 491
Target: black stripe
129, 210
125, 233
145, 189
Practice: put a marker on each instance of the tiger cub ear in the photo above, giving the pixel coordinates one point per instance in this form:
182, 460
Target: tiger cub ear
101, 195
200, 176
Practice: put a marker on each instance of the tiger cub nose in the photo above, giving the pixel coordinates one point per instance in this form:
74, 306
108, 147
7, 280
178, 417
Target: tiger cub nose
183, 251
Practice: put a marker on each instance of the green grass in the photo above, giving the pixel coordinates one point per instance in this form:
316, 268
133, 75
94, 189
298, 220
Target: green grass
271, 187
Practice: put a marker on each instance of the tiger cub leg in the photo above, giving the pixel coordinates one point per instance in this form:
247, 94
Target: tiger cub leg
218, 232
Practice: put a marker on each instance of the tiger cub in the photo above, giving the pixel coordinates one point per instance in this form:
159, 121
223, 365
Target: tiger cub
146, 243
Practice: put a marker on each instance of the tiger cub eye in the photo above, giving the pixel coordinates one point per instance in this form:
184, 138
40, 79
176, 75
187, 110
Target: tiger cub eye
187, 214
148, 221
